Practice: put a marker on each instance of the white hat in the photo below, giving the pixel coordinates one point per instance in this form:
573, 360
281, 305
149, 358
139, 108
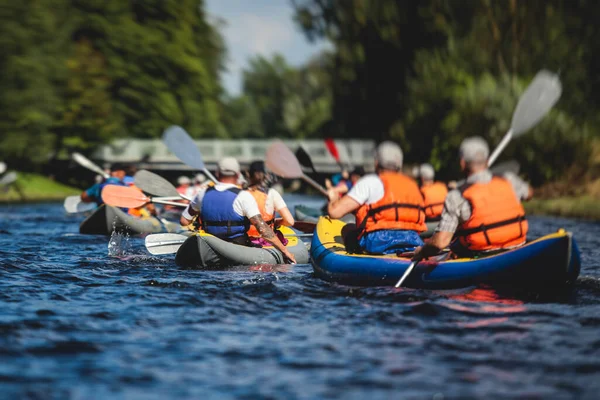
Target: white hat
183, 180
474, 149
426, 171
389, 155
199, 178
229, 166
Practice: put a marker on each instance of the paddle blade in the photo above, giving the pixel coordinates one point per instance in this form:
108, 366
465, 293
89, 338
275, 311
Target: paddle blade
87, 163
164, 243
282, 161
332, 148
8, 178
183, 146
304, 159
154, 184
123, 196
543, 92
306, 227
74, 205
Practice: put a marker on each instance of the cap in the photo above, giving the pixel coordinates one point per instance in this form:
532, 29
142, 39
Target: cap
474, 149
257, 166
389, 155
199, 178
415, 171
426, 171
229, 166
183, 180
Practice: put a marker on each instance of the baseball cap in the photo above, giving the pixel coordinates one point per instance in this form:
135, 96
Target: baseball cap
426, 171
389, 155
183, 180
229, 166
199, 178
474, 149
257, 166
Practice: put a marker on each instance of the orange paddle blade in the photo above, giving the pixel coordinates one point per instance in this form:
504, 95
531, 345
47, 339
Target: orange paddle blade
123, 196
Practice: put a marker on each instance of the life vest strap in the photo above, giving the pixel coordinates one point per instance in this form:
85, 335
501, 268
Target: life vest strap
373, 211
484, 228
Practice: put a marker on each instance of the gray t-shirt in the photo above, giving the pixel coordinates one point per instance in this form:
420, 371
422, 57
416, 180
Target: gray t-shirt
457, 209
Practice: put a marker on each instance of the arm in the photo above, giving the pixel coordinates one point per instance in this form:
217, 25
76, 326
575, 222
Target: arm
282, 208
267, 233
187, 216
287, 218
438, 242
340, 207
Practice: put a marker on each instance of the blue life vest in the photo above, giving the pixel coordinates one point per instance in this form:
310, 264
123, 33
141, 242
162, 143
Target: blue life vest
218, 217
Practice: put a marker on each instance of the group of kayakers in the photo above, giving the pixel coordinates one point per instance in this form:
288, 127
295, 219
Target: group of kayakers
482, 215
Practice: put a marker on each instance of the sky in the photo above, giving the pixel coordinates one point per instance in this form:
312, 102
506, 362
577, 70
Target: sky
259, 27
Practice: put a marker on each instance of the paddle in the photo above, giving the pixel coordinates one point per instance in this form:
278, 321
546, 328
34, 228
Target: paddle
74, 205
2, 167
130, 197
306, 227
333, 150
184, 147
539, 97
86, 163
8, 178
156, 185
169, 243
304, 159
284, 163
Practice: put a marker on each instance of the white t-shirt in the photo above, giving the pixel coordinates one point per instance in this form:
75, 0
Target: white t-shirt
274, 202
368, 190
243, 205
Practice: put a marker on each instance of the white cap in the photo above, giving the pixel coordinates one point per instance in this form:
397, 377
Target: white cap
426, 171
415, 171
474, 149
200, 178
389, 155
229, 166
183, 180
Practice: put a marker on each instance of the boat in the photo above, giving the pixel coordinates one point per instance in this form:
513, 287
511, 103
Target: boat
310, 214
552, 260
206, 250
106, 219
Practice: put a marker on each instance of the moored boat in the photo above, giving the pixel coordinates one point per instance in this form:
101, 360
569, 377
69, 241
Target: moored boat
552, 260
106, 219
205, 250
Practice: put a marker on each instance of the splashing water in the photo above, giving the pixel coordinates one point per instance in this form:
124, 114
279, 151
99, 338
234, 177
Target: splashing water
119, 244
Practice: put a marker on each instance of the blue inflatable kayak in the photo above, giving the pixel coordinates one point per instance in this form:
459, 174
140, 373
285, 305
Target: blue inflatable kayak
550, 260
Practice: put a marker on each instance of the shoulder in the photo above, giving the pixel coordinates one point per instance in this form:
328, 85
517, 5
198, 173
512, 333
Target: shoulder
369, 181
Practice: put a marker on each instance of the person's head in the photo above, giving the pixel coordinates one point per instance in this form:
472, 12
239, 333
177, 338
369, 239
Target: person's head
199, 179
356, 174
228, 170
183, 181
474, 153
345, 174
118, 171
426, 173
388, 157
256, 173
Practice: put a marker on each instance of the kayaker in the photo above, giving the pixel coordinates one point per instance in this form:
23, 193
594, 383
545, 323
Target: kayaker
485, 212
93, 194
227, 211
199, 183
345, 185
269, 201
434, 193
388, 206
183, 184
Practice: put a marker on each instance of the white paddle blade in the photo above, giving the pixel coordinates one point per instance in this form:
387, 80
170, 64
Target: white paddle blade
164, 243
87, 163
8, 178
282, 161
154, 184
74, 205
2, 167
183, 146
543, 92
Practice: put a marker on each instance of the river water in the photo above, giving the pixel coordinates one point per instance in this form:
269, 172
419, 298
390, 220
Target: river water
77, 323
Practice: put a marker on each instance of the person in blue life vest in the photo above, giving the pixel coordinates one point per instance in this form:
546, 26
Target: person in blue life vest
117, 177
484, 213
227, 212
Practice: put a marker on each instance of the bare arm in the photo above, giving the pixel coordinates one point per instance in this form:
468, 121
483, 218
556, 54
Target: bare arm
286, 215
267, 233
340, 207
184, 221
438, 242
85, 198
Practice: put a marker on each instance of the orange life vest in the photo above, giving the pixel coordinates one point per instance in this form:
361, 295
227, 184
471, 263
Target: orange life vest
434, 195
261, 200
497, 217
401, 207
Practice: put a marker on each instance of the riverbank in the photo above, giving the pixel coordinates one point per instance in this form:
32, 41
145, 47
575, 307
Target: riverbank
34, 188
585, 207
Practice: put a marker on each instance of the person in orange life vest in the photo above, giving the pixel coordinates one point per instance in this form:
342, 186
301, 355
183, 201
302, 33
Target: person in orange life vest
485, 212
269, 201
388, 206
227, 211
434, 193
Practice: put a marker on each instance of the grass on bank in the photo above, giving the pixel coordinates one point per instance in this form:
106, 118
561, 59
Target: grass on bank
34, 187
585, 206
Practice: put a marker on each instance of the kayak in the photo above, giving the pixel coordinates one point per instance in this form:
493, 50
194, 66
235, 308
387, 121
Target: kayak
552, 260
107, 219
205, 250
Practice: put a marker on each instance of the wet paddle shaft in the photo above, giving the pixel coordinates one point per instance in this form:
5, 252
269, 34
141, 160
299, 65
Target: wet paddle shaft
539, 97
